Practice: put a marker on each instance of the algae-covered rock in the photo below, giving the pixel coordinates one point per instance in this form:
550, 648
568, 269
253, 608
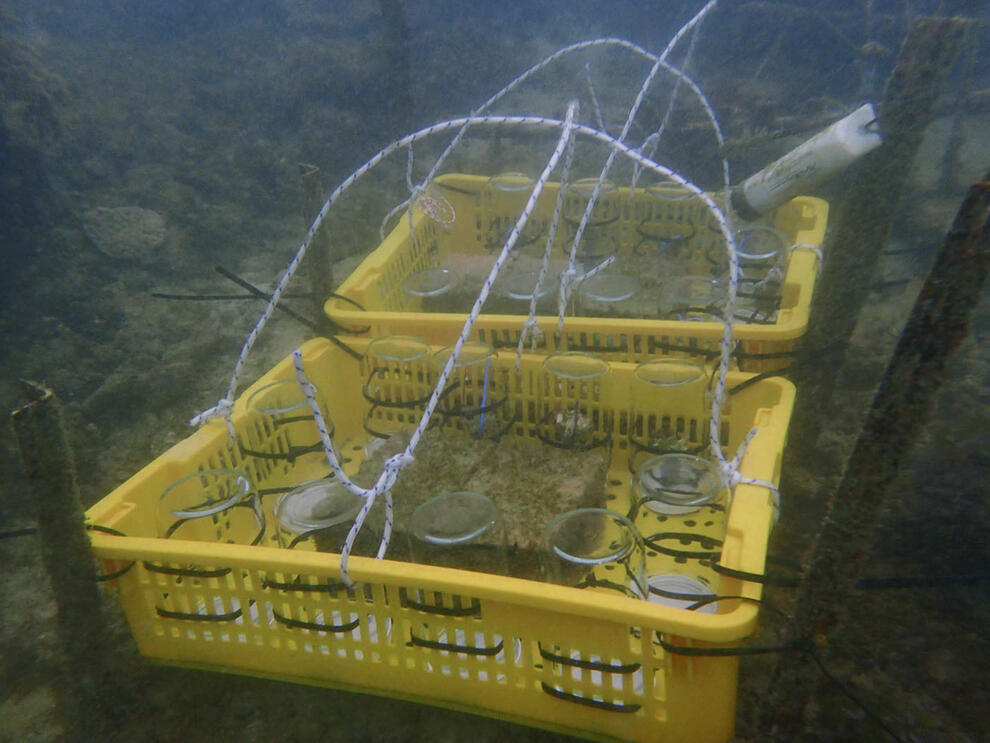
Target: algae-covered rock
127, 232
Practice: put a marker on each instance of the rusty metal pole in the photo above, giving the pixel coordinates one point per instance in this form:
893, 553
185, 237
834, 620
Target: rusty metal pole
938, 323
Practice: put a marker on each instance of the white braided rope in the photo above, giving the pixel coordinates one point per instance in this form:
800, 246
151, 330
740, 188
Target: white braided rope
560, 53
816, 249
388, 217
594, 98
732, 476
567, 281
536, 122
651, 142
531, 325
395, 464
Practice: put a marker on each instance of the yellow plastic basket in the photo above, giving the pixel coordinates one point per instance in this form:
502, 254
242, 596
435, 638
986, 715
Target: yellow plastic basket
482, 214
576, 661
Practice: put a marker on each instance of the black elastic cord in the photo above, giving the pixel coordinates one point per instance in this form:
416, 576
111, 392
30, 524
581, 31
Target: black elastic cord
292, 313
589, 702
654, 542
590, 665
852, 697
315, 626
454, 647
102, 577
766, 579
447, 611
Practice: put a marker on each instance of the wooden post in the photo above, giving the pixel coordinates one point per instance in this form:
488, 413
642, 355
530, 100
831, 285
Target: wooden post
951, 158
88, 695
864, 220
903, 403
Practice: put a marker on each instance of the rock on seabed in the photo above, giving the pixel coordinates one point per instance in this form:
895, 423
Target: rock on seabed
127, 232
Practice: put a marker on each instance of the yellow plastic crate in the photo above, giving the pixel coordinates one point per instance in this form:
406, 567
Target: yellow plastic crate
483, 216
575, 661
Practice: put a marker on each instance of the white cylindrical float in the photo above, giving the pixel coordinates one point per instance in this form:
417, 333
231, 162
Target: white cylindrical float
826, 153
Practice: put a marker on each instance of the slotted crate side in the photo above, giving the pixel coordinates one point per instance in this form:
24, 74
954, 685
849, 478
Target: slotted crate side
478, 230
283, 614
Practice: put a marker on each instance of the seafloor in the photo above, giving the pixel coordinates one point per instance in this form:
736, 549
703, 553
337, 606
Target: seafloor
141, 148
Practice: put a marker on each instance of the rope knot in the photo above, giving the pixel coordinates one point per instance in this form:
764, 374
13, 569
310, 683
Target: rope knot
569, 276
531, 329
730, 474
398, 461
222, 409
393, 465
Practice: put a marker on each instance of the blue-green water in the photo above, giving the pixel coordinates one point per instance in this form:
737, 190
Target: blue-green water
193, 118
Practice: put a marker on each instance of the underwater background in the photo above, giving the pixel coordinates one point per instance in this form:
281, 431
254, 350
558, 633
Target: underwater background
143, 144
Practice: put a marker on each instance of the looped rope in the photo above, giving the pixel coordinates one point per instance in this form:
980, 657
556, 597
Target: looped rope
531, 330
816, 249
732, 477
395, 463
571, 277
776, 273
223, 409
393, 466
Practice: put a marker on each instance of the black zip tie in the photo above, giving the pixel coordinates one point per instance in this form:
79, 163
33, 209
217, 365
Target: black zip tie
21, 532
